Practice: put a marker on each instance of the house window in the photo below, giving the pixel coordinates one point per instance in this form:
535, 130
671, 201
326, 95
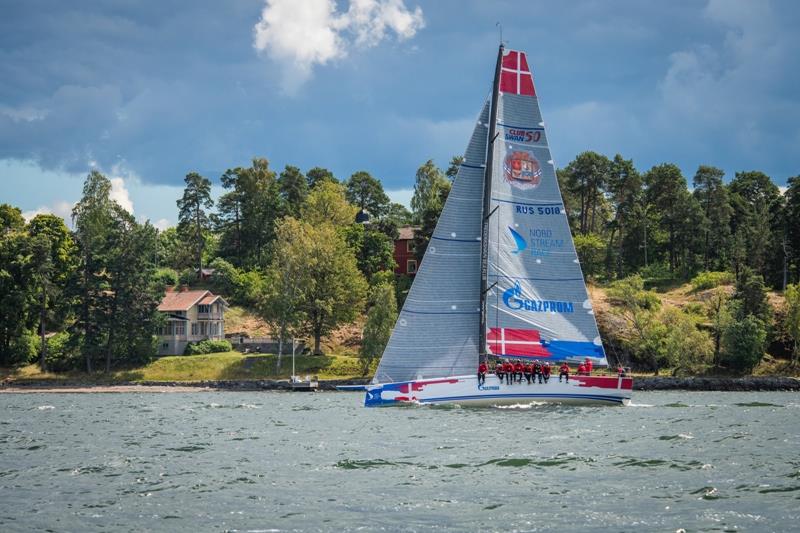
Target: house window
411, 266
203, 308
409, 246
194, 328
180, 328
164, 345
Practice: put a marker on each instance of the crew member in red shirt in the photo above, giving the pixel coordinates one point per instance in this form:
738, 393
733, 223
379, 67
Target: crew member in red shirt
527, 369
498, 369
588, 365
546, 372
482, 373
581, 369
563, 371
621, 371
508, 369
518, 371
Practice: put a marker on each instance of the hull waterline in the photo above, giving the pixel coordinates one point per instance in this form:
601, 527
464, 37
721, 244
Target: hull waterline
465, 391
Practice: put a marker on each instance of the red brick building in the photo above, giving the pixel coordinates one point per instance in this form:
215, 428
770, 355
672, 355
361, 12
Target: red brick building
404, 252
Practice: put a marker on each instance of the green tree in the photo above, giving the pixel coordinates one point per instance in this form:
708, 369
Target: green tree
193, 220
293, 187
685, 348
718, 312
366, 192
16, 297
452, 169
318, 175
625, 188
744, 342
92, 217
400, 216
55, 258
10, 218
678, 215
757, 224
590, 251
711, 193
792, 320
430, 191
586, 178
791, 242
751, 296
326, 203
373, 249
381, 317
317, 262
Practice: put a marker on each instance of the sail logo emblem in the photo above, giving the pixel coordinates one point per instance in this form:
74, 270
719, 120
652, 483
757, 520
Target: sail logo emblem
540, 239
522, 170
512, 298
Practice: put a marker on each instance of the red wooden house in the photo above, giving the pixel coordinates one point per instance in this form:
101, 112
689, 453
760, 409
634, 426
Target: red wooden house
404, 252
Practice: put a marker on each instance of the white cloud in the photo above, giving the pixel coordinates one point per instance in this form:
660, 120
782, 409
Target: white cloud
120, 194
400, 196
59, 208
299, 35
162, 223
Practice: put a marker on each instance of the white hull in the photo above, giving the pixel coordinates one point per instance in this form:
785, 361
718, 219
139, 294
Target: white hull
464, 390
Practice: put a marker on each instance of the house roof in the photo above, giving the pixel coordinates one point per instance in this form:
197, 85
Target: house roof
406, 233
184, 300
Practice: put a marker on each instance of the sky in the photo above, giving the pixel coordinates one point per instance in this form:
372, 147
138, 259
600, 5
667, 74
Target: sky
147, 92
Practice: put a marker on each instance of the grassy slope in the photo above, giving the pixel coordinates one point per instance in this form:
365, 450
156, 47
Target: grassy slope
683, 297
221, 366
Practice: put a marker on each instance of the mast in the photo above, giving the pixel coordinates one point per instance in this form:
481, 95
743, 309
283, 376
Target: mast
487, 204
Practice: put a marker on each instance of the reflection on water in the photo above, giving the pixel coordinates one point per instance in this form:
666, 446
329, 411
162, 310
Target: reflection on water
288, 462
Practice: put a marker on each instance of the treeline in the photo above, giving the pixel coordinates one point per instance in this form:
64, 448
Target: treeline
305, 251
639, 230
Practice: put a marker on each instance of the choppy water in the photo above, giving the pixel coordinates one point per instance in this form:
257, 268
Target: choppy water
217, 461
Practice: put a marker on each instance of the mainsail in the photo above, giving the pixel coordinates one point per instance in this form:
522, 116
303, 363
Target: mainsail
436, 333
538, 307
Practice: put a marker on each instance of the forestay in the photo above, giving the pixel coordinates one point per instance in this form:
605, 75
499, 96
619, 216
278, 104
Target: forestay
436, 333
539, 307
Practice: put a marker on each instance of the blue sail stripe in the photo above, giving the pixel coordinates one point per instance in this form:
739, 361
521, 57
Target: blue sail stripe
550, 204
455, 240
537, 128
439, 312
535, 279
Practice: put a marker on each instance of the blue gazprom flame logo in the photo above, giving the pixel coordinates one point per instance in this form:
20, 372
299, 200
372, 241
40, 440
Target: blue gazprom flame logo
512, 298
520, 240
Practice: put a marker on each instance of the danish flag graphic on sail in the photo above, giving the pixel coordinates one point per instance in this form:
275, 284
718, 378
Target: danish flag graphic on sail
512, 342
515, 76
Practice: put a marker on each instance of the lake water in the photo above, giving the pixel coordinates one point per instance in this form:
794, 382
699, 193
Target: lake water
227, 461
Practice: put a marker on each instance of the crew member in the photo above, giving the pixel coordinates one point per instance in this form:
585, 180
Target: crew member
518, 371
546, 371
621, 371
563, 371
498, 369
527, 369
588, 364
581, 369
482, 373
537, 371
508, 369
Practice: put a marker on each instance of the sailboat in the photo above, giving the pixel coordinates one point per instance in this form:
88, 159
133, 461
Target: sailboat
500, 280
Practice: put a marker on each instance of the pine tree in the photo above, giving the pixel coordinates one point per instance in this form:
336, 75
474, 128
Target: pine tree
193, 220
293, 189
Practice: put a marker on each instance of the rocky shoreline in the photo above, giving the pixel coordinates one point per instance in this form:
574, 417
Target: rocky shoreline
655, 383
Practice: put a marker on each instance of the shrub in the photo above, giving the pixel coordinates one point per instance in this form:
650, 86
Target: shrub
207, 346
187, 276
62, 354
166, 277
709, 280
23, 349
743, 341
